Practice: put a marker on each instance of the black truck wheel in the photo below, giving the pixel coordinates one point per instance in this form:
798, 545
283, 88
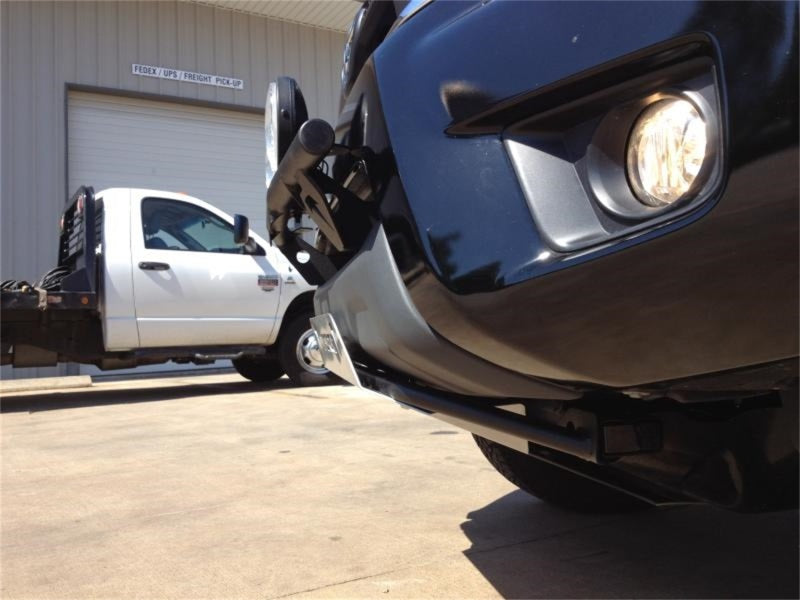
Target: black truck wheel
555, 485
258, 369
299, 354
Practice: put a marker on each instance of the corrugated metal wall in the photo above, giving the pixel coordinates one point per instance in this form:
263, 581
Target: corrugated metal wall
47, 45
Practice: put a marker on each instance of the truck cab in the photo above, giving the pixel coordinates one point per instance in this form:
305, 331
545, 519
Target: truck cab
173, 276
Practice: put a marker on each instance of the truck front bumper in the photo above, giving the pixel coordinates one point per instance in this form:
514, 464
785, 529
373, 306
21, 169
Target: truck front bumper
380, 325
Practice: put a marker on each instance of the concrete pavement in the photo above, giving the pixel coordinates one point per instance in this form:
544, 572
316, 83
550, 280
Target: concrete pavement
212, 487
9, 386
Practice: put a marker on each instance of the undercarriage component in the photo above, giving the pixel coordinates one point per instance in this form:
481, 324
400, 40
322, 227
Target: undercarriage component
555, 485
24, 355
741, 455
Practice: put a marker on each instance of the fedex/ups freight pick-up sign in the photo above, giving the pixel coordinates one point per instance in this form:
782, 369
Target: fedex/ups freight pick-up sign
187, 76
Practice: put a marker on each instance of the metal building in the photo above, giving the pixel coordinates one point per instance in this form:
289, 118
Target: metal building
168, 95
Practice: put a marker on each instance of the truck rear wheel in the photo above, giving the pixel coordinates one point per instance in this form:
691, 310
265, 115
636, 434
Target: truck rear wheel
258, 369
299, 354
555, 485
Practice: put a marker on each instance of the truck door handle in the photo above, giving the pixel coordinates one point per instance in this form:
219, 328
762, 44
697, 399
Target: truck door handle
153, 266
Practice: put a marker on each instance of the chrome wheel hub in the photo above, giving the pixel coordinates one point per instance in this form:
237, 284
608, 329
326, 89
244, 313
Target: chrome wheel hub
309, 354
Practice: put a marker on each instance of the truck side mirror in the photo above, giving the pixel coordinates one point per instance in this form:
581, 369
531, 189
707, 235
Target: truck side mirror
241, 230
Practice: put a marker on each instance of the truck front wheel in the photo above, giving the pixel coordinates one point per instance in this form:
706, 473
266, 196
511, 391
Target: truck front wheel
258, 369
299, 353
555, 485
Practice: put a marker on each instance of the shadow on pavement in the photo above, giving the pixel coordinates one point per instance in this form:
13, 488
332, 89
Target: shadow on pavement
527, 549
99, 396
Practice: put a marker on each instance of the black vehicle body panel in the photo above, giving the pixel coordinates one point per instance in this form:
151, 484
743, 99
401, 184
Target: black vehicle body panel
395, 335
709, 291
657, 355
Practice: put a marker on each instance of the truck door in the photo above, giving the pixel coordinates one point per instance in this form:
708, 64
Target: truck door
192, 285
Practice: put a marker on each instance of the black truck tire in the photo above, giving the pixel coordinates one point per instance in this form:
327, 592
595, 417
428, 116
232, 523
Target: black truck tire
258, 369
302, 370
555, 485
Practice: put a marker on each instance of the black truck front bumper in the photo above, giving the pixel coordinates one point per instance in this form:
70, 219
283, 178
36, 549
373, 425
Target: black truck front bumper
380, 325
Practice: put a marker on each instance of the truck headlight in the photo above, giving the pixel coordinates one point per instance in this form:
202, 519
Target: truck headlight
666, 151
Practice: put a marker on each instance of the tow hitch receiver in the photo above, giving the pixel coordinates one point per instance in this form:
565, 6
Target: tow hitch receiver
621, 438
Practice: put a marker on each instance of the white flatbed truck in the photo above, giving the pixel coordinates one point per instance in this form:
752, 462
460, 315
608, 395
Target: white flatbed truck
147, 276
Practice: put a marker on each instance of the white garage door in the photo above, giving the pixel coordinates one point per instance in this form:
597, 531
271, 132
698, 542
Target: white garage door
213, 154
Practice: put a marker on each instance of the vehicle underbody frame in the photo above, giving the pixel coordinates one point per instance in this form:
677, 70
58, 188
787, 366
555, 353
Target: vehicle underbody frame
738, 453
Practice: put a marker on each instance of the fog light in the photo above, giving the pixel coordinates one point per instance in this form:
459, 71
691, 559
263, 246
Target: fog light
666, 151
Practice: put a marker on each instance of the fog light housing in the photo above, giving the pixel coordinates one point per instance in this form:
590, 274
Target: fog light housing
667, 148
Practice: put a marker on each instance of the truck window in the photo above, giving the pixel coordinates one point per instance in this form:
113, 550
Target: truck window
175, 225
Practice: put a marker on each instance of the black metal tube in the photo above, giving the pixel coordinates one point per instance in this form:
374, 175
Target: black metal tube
312, 143
309, 147
572, 442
